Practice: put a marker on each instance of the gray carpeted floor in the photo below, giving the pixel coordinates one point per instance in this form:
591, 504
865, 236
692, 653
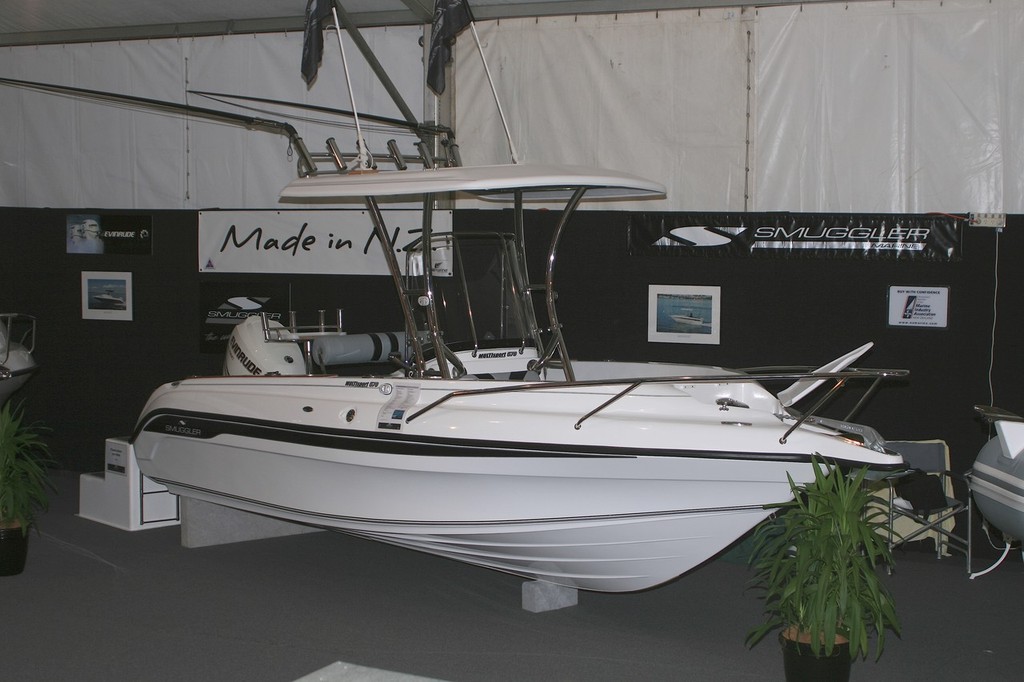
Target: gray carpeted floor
97, 603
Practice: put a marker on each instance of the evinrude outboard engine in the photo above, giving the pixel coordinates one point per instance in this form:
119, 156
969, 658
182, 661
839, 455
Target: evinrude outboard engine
251, 353
997, 478
16, 363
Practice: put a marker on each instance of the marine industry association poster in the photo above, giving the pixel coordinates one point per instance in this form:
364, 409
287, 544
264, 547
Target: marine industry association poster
919, 307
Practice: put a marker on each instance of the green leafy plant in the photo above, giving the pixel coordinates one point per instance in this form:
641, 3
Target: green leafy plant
816, 561
24, 484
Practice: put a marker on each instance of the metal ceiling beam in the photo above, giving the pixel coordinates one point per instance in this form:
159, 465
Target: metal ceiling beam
415, 12
422, 10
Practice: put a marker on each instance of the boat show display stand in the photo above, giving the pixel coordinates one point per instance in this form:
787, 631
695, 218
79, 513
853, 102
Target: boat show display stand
204, 524
341, 671
121, 496
539, 596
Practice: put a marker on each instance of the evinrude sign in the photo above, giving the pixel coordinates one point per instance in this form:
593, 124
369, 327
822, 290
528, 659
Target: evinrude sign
934, 237
308, 242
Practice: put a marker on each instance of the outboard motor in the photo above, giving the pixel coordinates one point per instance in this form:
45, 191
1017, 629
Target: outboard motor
250, 352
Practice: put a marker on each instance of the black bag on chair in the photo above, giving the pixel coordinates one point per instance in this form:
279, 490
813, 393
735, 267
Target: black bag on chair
923, 491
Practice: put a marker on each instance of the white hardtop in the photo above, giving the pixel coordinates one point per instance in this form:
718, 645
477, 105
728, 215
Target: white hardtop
535, 181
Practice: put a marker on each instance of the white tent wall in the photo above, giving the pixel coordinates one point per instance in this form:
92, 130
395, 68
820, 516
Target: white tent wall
889, 106
660, 94
905, 106
60, 151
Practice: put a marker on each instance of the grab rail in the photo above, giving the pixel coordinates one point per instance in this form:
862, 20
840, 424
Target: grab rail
872, 439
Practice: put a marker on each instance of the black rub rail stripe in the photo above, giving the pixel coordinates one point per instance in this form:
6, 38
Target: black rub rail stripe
203, 426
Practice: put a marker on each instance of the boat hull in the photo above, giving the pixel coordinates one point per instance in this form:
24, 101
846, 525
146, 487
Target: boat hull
505, 481
15, 369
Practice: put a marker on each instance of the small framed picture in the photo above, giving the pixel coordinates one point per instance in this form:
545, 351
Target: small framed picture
684, 314
106, 296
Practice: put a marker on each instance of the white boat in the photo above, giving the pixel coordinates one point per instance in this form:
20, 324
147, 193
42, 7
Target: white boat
997, 476
687, 320
17, 341
108, 300
489, 444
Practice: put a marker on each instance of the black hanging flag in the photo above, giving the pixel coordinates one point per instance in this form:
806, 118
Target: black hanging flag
450, 17
313, 37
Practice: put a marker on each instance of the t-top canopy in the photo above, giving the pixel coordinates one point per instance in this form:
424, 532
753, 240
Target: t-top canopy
535, 181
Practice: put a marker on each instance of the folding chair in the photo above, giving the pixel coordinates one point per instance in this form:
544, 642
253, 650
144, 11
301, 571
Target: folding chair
924, 499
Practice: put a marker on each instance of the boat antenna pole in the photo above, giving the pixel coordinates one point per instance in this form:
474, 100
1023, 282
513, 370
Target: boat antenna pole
363, 160
494, 92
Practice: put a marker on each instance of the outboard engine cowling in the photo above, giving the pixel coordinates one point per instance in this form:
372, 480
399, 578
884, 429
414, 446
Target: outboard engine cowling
251, 353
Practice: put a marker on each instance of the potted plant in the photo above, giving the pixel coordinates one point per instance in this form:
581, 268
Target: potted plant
24, 486
816, 561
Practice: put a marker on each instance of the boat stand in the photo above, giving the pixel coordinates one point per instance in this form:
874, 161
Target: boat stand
539, 596
204, 524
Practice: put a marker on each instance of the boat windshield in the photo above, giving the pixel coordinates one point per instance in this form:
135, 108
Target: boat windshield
478, 286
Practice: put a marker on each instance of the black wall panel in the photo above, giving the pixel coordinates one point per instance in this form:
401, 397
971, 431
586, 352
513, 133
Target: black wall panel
96, 374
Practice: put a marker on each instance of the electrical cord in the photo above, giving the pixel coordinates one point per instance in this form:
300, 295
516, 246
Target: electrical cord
995, 317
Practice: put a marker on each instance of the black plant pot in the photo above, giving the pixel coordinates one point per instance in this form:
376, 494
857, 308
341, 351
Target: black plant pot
13, 550
801, 665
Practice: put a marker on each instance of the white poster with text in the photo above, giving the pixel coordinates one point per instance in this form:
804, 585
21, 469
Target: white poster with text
341, 242
919, 307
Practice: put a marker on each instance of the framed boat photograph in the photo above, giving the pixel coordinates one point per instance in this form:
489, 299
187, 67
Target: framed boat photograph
684, 314
106, 296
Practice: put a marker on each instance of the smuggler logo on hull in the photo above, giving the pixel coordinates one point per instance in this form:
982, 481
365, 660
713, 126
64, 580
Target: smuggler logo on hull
182, 429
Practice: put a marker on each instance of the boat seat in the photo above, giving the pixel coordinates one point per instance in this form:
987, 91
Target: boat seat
921, 503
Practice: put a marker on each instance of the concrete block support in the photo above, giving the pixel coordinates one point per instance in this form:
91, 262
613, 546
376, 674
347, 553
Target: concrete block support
349, 672
540, 596
204, 524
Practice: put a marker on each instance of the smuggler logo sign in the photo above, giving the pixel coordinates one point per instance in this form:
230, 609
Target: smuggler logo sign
936, 237
225, 304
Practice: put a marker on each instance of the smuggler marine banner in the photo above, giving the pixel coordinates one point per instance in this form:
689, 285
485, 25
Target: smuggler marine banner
797, 235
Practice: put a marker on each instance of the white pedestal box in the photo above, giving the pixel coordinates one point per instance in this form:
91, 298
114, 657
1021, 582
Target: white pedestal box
121, 496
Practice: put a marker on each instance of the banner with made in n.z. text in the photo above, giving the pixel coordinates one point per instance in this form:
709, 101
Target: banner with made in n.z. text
341, 242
